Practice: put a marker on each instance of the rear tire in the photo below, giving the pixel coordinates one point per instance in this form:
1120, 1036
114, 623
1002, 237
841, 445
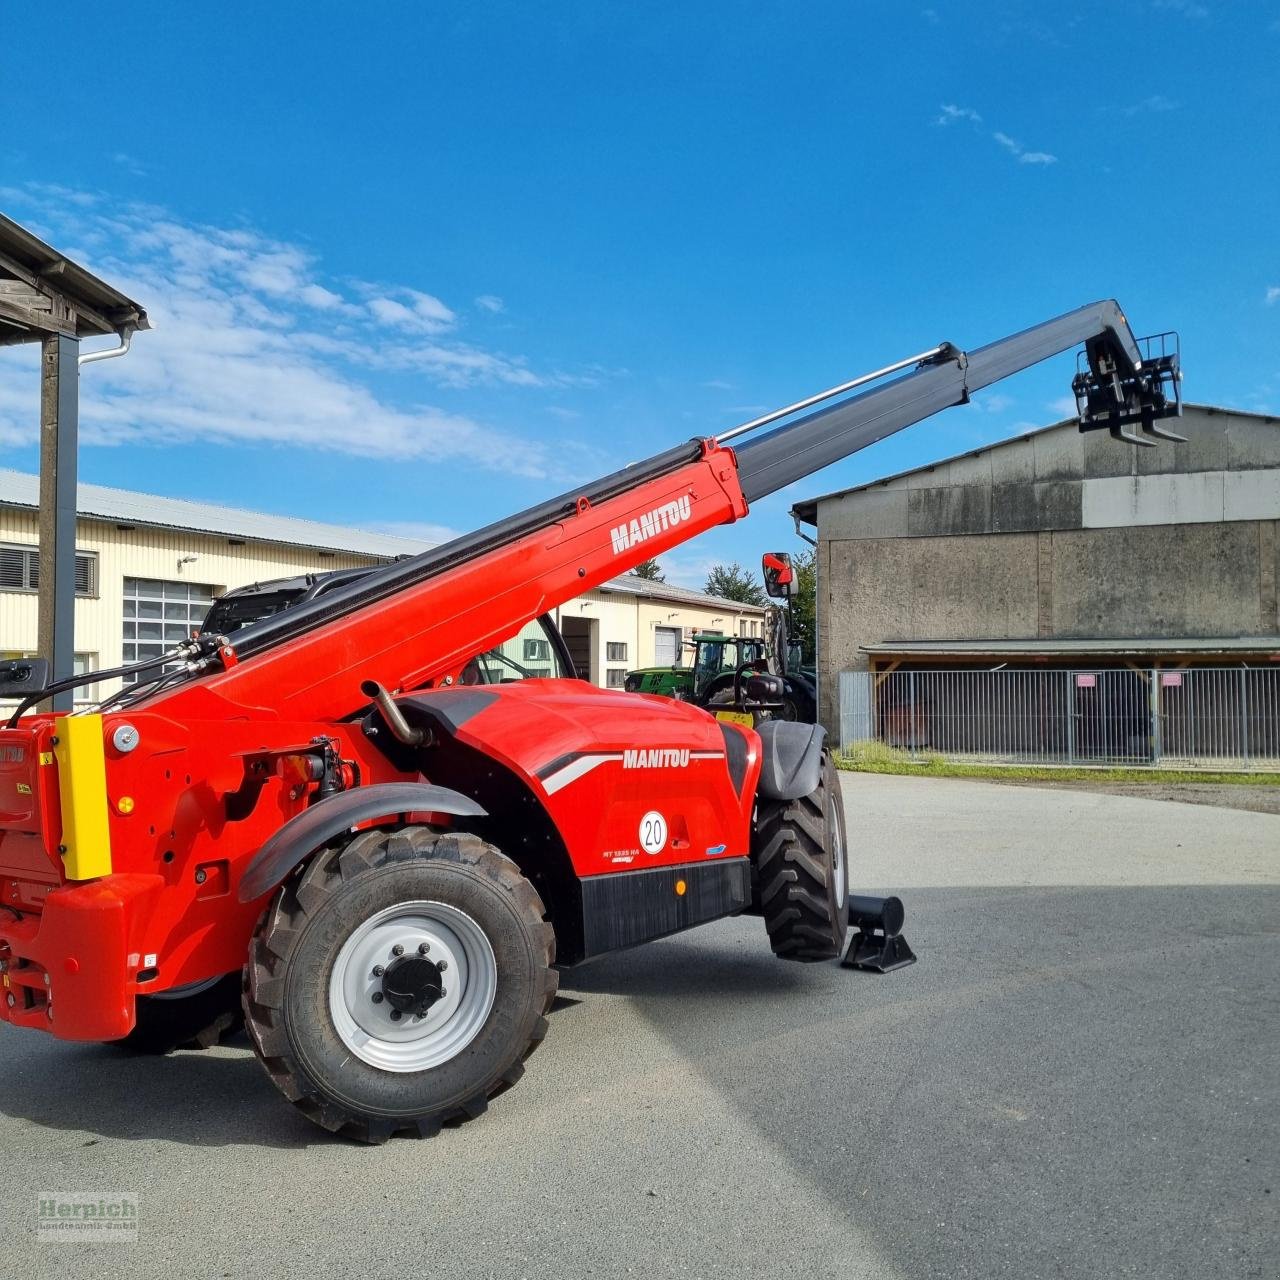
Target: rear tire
801, 871
323, 1024
199, 1020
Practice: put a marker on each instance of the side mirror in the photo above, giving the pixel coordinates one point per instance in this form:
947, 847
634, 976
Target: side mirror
762, 690
21, 677
780, 580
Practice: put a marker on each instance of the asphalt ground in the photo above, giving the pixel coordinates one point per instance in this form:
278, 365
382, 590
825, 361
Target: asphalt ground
1079, 1078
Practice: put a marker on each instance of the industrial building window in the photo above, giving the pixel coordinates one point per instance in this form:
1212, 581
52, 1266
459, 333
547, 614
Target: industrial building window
20, 570
536, 649
617, 652
158, 615
616, 677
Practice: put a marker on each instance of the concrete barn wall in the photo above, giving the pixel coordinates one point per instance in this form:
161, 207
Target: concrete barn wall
1058, 535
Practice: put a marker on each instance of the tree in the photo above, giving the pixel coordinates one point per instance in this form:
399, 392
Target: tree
650, 571
733, 582
804, 626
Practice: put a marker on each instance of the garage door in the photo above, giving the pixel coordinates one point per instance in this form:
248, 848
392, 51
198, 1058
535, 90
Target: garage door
666, 646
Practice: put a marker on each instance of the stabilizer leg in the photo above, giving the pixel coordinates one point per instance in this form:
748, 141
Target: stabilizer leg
877, 944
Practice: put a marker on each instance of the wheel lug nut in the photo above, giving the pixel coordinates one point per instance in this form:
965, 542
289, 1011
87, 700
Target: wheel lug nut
443, 992
395, 1015
378, 997
378, 971
397, 950
443, 965
424, 948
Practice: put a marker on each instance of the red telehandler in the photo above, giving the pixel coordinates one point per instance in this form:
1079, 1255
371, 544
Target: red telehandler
327, 825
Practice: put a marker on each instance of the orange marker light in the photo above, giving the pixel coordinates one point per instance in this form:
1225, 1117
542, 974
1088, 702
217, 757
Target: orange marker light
124, 804
680, 888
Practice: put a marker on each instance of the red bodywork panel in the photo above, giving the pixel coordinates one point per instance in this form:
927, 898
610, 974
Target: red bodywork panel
194, 801
430, 629
600, 760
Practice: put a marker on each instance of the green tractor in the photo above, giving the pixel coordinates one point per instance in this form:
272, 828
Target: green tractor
720, 663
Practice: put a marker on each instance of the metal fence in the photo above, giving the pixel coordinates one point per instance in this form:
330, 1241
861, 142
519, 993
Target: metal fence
1203, 718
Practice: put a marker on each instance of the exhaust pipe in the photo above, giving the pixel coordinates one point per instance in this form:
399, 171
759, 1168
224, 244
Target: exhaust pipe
400, 728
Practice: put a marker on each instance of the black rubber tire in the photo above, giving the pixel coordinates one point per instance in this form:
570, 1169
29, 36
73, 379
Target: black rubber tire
794, 863
298, 939
197, 1021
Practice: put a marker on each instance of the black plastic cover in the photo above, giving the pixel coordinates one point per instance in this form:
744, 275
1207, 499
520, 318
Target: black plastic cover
327, 818
792, 758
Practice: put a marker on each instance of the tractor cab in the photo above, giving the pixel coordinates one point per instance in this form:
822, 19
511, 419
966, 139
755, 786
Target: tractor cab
718, 657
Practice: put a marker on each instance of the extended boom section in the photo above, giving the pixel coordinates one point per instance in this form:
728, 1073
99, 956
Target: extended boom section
1121, 388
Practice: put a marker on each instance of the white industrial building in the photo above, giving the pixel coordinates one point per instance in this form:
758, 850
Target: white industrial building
148, 568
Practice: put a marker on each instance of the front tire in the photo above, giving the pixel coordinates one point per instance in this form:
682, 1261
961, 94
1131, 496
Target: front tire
400, 982
801, 871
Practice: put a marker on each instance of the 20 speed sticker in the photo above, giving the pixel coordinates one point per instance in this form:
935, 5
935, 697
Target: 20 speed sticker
653, 832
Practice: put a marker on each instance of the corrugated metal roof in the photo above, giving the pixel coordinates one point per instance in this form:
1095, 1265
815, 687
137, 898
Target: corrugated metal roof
1019, 648
647, 588
122, 506
807, 508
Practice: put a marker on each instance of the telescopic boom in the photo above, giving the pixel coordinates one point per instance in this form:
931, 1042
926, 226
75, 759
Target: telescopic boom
410, 623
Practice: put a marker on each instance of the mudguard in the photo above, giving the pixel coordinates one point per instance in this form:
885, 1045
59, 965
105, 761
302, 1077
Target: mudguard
308, 831
792, 758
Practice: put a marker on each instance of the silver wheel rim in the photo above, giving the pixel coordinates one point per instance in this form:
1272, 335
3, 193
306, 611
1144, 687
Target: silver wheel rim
470, 979
839, 876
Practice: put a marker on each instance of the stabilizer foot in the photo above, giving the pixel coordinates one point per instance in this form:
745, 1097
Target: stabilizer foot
877, 945
875, 953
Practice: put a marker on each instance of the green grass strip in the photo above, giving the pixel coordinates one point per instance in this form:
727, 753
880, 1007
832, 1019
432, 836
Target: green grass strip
876, 757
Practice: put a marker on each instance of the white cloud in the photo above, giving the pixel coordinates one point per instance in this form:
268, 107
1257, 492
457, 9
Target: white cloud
995, 401
952, 114
491, 302
719, 384
411, 311
688, 570
1188, 8
1273, 294
316, 295
130, 164
417, 530
1155, 104
251, 346
1023, 156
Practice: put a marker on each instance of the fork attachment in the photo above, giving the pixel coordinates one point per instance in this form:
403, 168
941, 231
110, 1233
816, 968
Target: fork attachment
1113, 392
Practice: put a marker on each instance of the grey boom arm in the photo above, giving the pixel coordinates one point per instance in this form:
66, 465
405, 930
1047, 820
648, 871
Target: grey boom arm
790, 452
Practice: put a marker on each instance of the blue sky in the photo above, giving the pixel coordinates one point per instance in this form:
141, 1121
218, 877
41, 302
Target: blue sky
413, 267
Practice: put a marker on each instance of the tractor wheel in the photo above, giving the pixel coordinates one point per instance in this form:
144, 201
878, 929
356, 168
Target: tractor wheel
801, 871
400, 982
195, 1019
